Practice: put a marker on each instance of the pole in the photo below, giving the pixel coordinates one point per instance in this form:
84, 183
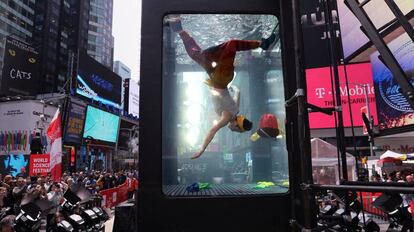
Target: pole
371, 144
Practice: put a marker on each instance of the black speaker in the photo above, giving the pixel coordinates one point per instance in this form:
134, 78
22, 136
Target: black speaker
125, 218
388, 202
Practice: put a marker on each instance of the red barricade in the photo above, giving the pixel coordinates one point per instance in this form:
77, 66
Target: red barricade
368, 198
114, 196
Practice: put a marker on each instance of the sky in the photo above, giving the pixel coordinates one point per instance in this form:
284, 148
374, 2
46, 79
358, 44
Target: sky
126, 29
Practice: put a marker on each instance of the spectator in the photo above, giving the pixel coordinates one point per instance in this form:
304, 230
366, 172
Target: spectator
132, 185
121, 178
90, 184
18, 192
54, 197
7, 224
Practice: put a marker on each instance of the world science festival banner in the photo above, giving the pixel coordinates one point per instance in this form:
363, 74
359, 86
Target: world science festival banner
20, 69
394, 110
98, 83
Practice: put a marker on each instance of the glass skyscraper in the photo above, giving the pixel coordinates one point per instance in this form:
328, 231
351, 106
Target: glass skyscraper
100, 39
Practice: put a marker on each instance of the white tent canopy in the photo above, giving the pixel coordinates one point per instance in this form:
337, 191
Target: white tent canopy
395, 155
326, 154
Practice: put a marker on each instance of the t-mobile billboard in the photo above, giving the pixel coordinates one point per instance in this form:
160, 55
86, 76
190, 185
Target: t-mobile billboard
320, 93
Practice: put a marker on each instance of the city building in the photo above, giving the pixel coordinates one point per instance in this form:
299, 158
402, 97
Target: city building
60, 31
100, 39
122, 70
16, 19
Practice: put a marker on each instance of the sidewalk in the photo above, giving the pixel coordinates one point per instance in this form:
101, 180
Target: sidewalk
110, 223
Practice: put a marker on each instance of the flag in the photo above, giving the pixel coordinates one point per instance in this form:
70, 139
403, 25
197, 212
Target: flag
54, 132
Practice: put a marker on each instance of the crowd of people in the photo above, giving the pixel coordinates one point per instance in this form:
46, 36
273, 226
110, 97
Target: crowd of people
15, 189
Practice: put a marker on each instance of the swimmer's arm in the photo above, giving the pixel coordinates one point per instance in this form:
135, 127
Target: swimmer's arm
236, 96
224, 120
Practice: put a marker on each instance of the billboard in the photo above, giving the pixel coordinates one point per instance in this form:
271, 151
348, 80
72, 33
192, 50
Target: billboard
393, 109
353, 39
97, 82
20, 69
316, 34
131, 102
75, 121
18, 122
14, 164
319, 93
101, 125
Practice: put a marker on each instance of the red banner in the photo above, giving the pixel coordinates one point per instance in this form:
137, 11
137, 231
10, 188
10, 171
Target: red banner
114, 196
39, 164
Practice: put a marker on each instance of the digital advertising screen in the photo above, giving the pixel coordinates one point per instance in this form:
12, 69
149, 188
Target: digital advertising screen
101, 125
394, 110
354, 40
97, 82
320, 93
14, 164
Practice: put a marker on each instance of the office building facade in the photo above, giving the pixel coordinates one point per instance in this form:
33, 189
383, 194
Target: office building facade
60, 31
100, 39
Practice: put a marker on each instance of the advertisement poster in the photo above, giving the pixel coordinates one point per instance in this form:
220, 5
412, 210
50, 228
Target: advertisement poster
19, 75
14, 164
320, 93
97, 82
18, 122
75, 121
39, 164
353, 38
393, 109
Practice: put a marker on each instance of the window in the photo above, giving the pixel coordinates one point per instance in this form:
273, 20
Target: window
200, 89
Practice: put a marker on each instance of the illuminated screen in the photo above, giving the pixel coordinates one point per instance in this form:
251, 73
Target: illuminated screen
320, 93
393, 109
101, 125
352, 36
97, 82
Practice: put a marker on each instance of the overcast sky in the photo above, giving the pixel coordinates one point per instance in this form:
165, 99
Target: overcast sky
126, 29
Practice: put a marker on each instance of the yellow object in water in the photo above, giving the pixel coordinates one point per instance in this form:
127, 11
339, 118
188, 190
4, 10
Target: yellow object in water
266, 183
254, 137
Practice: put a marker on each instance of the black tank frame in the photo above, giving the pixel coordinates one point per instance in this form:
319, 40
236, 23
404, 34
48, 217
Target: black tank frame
157, 212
